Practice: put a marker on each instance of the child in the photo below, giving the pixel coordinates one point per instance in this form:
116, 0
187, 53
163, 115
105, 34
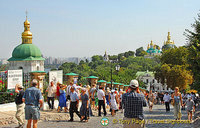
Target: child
190, 106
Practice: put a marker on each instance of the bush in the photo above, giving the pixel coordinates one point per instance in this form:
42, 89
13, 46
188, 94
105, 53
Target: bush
7, 97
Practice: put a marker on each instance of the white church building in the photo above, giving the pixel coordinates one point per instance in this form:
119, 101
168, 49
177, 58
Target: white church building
26, 56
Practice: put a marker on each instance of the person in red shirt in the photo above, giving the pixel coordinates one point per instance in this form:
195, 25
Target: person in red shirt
57, 91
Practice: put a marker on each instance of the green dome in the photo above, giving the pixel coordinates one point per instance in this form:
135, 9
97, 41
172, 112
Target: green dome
26, 52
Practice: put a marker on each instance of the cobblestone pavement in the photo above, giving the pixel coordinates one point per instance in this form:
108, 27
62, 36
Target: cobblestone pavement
158, 113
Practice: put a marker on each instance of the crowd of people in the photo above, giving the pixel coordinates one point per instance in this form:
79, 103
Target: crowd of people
96, 97
178, 100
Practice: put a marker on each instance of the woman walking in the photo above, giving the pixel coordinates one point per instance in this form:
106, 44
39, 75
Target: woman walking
177, 102
62, 98
85, 105
113, 102
107, 93
151, 100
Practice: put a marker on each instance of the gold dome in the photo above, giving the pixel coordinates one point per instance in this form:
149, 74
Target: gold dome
148, 47
169, 39
151, 43
27, 35
26, 22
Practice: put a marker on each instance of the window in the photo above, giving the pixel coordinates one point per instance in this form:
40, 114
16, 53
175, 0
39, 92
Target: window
38, 68
147, 81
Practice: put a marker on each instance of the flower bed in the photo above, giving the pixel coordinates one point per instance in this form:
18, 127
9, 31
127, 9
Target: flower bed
6, 97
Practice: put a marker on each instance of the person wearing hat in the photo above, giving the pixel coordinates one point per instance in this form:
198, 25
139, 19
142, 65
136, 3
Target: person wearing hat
84, 110
113, 100
19, 104
133, 103
190, 107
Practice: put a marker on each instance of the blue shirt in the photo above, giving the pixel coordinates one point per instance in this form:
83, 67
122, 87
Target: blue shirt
73, 96
32, 96
133, 105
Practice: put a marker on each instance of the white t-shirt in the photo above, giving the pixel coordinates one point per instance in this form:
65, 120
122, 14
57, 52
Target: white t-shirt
51, 91
100, 94
166, 98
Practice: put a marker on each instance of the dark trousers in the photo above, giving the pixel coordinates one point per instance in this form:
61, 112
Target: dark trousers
90, 111
73, 109
51, 105
86, 115
101, 103
167, 106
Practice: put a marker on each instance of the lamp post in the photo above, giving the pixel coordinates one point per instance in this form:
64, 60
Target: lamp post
117, 67
111, 74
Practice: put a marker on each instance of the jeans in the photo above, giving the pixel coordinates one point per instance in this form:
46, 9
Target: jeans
32, 112
51, 105
101, 103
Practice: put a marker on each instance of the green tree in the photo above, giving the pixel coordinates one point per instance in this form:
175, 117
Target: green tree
140, 52
193, 38
174, 68
129, 53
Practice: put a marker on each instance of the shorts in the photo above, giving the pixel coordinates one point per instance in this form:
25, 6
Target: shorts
93, 99
32, 112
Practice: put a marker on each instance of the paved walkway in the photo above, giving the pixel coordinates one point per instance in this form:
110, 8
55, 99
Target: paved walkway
158, 114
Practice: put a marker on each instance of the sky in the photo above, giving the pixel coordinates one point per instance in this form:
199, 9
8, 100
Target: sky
83, 28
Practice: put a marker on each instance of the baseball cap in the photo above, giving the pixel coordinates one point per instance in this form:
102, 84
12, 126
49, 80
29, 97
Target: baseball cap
134, 84
19, 86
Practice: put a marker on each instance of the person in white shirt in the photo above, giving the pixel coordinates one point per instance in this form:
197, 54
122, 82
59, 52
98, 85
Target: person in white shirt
102, 100
166, 99
51, 90
113, 100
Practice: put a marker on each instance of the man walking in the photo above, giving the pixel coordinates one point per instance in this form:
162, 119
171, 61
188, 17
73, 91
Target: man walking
51, 90
102, 101
167, 100
32, 98
133, 106
74, 102
19, 104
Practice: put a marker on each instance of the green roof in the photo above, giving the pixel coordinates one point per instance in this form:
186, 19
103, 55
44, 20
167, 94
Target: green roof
26, 52
93, 77
102, 81
71, 74
38, 72
121, 84
108, 82
126, 85
116, 83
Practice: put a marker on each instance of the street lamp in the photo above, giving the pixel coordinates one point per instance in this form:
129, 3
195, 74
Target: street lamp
117, 67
